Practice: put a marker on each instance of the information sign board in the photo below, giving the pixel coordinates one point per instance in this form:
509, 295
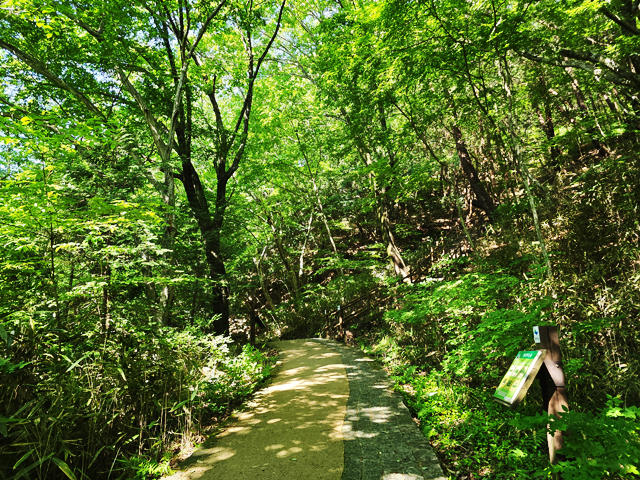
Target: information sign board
519, 377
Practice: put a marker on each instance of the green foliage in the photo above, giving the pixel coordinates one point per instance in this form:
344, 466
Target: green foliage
108, 276
603, 445
482, 351
463, 318
229, 380
100, 398
471, 433
143, 468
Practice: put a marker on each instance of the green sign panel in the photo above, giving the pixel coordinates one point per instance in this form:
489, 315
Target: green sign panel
519, 377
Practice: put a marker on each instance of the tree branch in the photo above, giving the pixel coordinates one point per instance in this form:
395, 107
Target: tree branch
156, 127
604, 61
246, 107
618, 78
40, 68
622, 23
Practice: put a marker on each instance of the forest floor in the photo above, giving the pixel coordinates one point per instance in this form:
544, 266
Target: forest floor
329, 413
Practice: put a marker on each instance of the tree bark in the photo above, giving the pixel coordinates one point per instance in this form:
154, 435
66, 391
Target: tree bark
483, 199
321, 209
399, 267
515, 144
263, 283
210, 227
546, 123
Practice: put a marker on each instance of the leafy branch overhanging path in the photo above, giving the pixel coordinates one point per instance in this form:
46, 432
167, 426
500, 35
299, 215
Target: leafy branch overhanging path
329, 414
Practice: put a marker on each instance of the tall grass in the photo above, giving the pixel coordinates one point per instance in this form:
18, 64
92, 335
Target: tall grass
108, 404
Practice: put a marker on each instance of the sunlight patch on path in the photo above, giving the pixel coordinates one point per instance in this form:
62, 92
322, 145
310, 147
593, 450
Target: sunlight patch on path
291, 430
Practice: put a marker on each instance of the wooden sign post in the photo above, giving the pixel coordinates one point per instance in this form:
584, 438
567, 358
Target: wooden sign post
552, 382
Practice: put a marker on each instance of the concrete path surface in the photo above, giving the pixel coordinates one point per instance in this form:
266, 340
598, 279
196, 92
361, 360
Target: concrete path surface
328, 414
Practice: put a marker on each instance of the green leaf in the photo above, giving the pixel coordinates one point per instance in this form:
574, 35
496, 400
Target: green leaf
23, 458
64, 467
77, 362
178, 406
26, 470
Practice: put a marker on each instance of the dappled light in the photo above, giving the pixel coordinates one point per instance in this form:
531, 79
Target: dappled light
291, 429
425, 183
328, 414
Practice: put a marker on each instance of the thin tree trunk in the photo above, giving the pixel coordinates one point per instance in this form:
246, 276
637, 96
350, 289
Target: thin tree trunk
284, 257
324, 221
582, 105
261, 277
400, 268
516, 151
319, 203
381, 207
304, 246
168, 244
462, 220
546, 124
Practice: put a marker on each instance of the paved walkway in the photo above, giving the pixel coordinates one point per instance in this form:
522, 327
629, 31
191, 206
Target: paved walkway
328, 414
381, 440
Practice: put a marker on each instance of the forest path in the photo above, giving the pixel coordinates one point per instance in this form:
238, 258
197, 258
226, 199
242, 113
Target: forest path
328, 414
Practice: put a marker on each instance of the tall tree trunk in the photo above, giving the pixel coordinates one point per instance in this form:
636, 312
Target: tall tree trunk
483, 199
282, 253
321, 210
220, 290
379, 194
168, 243
461, 216
210, 227
386, 230
399, 267
546, 123
263, 283
304, 247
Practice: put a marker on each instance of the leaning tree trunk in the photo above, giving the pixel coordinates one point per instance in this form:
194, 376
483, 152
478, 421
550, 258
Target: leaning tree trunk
386, 230
546, 123
399, 267
483, 199
584, 114
520, 160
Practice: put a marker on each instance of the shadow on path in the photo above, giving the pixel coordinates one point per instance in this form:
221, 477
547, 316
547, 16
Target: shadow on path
381, 440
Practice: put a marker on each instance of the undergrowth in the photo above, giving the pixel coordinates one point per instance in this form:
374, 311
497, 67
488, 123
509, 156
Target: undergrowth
112, 404
448, 344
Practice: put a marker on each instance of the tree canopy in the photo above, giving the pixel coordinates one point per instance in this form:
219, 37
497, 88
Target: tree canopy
427, 179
